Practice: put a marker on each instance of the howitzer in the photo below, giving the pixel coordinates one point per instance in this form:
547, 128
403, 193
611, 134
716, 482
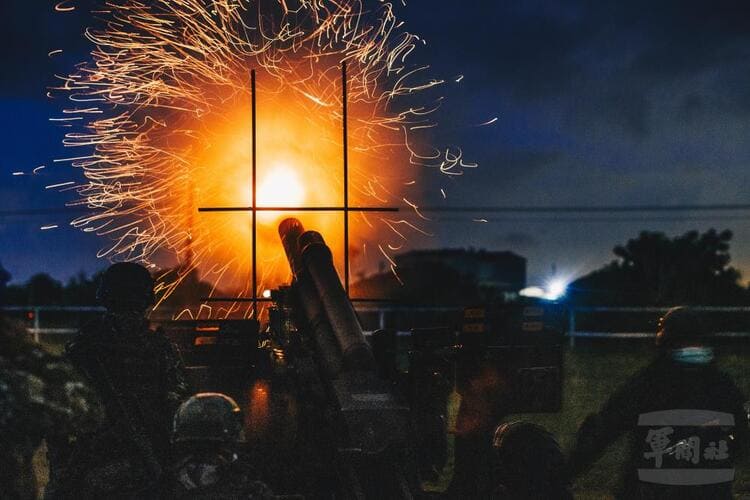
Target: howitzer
322, 404
367, 423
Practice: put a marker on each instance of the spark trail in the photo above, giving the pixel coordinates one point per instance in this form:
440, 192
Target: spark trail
159, 117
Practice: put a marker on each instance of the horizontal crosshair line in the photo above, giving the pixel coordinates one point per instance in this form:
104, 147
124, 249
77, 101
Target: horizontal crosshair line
299, 209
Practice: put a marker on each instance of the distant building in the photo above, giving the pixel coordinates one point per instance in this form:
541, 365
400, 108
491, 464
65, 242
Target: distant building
447, 276
501, 271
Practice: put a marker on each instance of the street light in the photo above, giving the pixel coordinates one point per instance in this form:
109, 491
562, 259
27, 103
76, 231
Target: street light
556, 289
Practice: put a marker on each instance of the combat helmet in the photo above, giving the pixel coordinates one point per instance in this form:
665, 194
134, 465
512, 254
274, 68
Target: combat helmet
208, 417
528, 461
681, 324
126, 285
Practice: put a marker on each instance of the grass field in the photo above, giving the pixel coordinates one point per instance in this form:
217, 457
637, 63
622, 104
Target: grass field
591, 374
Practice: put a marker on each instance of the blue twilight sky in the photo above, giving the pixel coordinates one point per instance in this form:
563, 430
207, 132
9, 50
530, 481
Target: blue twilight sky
598, 103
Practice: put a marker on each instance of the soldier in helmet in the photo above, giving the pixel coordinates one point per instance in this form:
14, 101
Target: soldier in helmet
41, 397
139, 376
527, 464
206, 433
680, 412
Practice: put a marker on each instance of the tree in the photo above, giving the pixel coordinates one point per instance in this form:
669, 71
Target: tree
654, 269
81, 290
43, 290
4, 279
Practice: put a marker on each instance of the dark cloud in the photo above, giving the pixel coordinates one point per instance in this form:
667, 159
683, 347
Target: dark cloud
688, 36
691, 107
543, 63
28, 33
732, 90
625, 108
515, 164
518, 240
605, 61
524, 46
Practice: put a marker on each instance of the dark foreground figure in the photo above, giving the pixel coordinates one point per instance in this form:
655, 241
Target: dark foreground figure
207, 460
41, 397
527, 464
678, 413
138, 374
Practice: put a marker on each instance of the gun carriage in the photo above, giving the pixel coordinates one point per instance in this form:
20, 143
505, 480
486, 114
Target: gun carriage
329, 409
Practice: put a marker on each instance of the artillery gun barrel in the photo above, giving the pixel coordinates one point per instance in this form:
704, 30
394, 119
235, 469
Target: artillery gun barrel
328, 348
317, 261
370, 426
290, 230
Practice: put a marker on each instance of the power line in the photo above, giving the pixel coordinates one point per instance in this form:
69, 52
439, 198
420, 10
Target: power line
729, 207
577, 220
590, 209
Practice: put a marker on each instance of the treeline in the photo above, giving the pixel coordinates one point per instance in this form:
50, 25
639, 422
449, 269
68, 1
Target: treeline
80, 290
43, 290
652, 269
656, 270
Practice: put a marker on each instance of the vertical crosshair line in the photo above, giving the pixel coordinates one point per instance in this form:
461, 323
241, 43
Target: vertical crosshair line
255, 212
346, 177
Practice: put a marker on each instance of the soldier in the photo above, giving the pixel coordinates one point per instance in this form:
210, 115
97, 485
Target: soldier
41, 397
683, 407
528, 464
139, 375
206, 433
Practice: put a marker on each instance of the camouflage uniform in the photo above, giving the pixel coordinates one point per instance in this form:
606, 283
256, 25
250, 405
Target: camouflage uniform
206, 434
139, 377
41, 397
668, 383
137, 371
202, 476
663, 385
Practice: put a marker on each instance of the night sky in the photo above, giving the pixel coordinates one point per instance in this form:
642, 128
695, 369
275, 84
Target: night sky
598, 103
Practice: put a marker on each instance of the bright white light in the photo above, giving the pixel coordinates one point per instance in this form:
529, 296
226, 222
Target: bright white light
532, 291
266, 294
555, 289
280, 187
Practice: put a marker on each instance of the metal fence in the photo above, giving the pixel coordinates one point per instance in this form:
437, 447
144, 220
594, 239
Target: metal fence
642, 322
56, 320
583, 322
44, 321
